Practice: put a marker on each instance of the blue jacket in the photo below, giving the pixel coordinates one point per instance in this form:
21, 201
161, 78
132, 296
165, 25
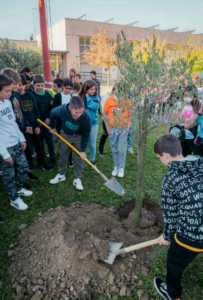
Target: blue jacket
70, 126
92, 104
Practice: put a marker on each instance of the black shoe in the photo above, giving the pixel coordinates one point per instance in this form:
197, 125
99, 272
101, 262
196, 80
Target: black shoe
161, 288
26, 186
101, 154
93, 162
52, 162
32, 177
70, 164
44, 167
1, 220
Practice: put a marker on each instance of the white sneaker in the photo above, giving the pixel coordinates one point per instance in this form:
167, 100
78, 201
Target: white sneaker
24, 192
121, 173
58, 178
48, 155
115, 171
19, 204
130, 150
78, 184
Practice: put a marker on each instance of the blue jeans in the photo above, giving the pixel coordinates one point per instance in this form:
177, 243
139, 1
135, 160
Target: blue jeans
48, 137
92, 141
129, 140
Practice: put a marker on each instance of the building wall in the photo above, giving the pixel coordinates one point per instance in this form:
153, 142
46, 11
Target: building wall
66, 33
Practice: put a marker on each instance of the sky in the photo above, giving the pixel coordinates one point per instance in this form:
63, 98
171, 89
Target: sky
17, 22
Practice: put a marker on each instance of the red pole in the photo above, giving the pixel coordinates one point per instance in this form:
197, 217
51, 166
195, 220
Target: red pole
45, 45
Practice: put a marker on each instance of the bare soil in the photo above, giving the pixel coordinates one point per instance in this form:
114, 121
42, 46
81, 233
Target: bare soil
60, 256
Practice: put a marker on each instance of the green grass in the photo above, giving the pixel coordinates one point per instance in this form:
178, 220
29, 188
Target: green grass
46, 196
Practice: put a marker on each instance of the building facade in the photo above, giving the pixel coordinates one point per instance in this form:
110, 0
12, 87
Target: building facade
70, 38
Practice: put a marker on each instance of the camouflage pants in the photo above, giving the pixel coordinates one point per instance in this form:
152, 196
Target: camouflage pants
14, 183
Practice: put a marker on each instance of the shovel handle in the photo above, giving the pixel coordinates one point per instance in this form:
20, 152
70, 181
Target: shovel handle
71, 146
141, 245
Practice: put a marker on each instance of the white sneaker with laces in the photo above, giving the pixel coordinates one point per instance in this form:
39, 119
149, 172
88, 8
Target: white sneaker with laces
24, 192
121, 173
115, 171
19, 204
130, 150
58, 178
78, 184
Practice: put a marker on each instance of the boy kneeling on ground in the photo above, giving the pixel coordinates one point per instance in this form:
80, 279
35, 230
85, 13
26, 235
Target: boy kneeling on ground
76, 127
182, 202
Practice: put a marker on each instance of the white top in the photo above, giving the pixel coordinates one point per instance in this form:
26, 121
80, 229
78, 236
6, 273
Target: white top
103, 99
10, 134
65, 99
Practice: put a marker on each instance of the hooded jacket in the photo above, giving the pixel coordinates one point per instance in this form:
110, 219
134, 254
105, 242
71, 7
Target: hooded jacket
182, 202
18, 111
70, 126
31, 112
92, 104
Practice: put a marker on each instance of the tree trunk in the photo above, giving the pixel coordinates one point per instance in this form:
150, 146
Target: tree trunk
142, 150
108, 79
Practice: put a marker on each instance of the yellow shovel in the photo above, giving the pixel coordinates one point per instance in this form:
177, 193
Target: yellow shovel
111, 183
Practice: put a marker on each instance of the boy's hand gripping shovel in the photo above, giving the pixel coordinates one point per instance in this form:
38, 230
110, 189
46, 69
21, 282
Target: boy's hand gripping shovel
112, 183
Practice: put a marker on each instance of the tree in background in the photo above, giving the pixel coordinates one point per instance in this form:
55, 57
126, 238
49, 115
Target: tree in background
147, 79
101, 51
12, 56
189, 47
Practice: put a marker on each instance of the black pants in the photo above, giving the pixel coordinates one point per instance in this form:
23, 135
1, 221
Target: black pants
187, 147
178, 259
198, 147
103, 138
35, 141
28, 151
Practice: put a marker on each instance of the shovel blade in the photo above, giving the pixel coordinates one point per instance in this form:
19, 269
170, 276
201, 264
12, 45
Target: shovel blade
115, 186
113, 247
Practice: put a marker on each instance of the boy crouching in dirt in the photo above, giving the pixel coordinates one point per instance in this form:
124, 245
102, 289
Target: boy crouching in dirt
182, 205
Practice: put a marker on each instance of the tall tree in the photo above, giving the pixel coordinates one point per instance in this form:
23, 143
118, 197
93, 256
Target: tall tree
101, 51
12, 56
147, 80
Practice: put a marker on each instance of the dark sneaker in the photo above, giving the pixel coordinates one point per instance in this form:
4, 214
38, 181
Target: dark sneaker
44, 167
32, 177
26, 186
161, 288
70, 164
52, 162
93, 162
101, 154
1, 220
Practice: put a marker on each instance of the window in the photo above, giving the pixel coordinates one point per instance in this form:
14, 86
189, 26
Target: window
56, 61
84, 45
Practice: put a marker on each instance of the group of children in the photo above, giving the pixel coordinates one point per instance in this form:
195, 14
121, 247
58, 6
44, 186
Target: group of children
71, 109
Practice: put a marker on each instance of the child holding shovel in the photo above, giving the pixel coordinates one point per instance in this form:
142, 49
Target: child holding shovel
182, 202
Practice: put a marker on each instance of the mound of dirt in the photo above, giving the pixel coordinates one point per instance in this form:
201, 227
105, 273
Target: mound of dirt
60, 256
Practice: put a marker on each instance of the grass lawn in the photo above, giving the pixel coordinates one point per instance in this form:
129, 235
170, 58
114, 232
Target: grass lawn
46, 196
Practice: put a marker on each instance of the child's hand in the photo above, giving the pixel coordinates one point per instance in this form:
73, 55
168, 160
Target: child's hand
29, 130
23, 145
162, 241
83, 155
47, 121
37, 130
9, 160
52, 131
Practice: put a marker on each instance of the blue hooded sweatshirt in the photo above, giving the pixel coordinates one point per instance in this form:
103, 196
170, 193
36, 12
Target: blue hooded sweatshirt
92, 104
70, 126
